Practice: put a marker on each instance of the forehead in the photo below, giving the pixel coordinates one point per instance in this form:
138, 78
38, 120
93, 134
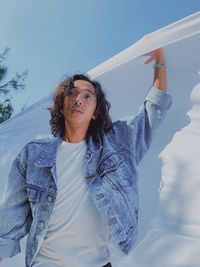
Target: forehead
82, 84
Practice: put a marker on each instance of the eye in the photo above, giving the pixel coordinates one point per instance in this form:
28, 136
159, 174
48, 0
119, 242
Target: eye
88, 97
71, 93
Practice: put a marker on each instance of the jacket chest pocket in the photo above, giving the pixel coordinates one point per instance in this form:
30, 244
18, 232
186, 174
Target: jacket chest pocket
39, 197
109, 164
33, 194
115, 171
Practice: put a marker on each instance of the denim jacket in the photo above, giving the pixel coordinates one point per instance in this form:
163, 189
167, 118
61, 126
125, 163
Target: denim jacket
110, 176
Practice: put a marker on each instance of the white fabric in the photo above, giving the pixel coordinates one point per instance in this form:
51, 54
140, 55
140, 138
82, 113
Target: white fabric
126, 81
76, 235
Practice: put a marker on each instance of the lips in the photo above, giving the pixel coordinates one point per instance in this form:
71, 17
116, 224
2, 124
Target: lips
77, 110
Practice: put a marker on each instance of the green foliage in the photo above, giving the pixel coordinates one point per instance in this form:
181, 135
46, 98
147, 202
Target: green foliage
5, 110
6, 88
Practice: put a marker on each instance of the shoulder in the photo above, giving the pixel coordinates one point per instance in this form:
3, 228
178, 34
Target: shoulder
125, 128
119, 130
44, 141
123, 123
34, 148
40, 144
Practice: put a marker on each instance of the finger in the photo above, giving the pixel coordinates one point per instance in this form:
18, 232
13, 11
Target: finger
148, 60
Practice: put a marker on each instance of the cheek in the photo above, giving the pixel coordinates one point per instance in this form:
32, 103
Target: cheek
66, 105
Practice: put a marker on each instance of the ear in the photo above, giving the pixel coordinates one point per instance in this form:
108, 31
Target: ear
95, 115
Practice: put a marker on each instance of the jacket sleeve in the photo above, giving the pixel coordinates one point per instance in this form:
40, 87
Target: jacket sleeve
137, 131
15, 215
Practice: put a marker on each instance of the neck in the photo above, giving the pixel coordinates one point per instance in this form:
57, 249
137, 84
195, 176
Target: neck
74, 135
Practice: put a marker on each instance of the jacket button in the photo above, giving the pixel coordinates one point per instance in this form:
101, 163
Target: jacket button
113, 220
99, 196
88, 156
49, 198
41, 225
34, 248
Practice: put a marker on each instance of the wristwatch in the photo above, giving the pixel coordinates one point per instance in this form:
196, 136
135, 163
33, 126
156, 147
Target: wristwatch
160, 65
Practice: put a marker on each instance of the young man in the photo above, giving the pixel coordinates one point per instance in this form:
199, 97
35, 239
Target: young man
75, 191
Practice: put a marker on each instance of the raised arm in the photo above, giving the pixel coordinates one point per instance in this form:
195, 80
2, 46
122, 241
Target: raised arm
138, 130
160, 74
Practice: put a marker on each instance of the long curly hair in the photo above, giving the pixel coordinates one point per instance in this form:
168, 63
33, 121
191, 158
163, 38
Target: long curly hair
99, 126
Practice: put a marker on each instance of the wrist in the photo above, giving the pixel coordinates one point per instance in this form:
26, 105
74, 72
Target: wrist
160, 56
160, 59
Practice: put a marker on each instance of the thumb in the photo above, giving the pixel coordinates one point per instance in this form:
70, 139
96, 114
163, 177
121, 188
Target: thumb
148, 60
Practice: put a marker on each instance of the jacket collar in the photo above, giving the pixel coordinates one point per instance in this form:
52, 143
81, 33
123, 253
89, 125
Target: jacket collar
94, 147
47, 157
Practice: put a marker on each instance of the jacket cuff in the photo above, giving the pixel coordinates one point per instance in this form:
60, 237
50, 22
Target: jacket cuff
159, 98
9, 247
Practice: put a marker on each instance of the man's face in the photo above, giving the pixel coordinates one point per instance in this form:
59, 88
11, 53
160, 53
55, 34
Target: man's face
80, 104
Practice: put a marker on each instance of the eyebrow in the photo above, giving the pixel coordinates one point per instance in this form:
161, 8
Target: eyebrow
86, 89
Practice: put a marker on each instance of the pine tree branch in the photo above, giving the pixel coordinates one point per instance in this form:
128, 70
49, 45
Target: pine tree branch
15, 83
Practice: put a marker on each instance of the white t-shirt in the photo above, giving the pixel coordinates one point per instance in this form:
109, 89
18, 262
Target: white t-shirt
77, 235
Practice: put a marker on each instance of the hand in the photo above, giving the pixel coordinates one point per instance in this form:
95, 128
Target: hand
158, 55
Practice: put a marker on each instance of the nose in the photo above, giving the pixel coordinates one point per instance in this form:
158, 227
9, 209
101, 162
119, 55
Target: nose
78, 99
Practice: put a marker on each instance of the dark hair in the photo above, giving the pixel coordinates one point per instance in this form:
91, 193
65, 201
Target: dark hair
99, 126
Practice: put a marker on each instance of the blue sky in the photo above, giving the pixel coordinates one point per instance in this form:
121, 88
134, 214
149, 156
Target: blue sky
55, 37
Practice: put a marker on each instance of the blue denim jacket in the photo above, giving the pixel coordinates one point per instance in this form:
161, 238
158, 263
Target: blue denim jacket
110, 176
